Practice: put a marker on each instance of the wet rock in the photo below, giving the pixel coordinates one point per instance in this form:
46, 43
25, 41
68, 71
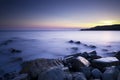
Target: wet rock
105, 62
96, 73
111, 73
78, 76
71, 41
75, 64
117, 55
68, 76
104, 50
6, 42
86, 71
12, 50
77, 42
85, 55
118, 78
74, 48
21, 77
52, 74
35, 67
92, 46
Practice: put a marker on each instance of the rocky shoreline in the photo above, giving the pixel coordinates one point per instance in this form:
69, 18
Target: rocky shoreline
79, 66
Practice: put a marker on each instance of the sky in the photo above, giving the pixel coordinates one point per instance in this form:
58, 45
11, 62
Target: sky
33, 14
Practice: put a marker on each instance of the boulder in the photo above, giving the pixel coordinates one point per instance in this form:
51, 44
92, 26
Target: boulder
21, 77
76, 63
86, 71
78, 76
96, 73
52, 74
12, 50
110, 73
105, 62
117, 55
68, 76
35, 67
71, 41
77, 42
92, 46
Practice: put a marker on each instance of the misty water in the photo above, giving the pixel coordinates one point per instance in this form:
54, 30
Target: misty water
54, 44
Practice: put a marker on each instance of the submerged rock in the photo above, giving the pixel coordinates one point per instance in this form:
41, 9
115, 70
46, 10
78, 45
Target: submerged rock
111, 73
12, 50
105, 62
92, 46
7, 42
52, 74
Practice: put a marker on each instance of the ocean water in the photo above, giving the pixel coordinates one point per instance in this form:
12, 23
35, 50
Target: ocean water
54, 44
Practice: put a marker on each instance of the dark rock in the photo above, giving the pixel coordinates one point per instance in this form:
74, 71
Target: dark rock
96, 73
111, 73
35, 67
12, 50
21, 77
71, 41
77, 42
92, 46
86, 71
79, 76
118, 78
76, 63
74, 48
85, 55
68, 76
6, 42
117, 55
105, 62
104, 50
52, 74
93, 55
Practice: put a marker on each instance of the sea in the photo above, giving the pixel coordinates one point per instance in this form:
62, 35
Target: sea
53, 44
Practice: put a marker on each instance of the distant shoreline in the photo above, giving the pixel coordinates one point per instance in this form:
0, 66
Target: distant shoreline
104, 28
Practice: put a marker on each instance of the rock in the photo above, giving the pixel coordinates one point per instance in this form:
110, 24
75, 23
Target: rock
105, 62
12, 50
77, 42
117, 55
79, 76
111, 73
35, 67
21, 77
6, 42
74, 48
104, 50
118, 78
76, 63
96, 73
52, 74
71, 41
86, 71
85, 55
68, 76
92, 46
